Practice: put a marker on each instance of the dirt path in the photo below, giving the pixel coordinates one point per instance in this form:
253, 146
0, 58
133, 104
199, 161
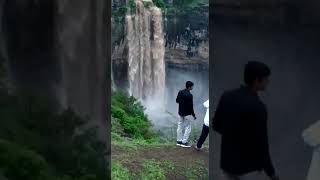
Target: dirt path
188, 163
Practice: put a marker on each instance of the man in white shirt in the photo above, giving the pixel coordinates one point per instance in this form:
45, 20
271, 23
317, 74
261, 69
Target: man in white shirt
312, 137
205, 128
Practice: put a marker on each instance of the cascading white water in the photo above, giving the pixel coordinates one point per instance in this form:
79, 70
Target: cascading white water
146, 66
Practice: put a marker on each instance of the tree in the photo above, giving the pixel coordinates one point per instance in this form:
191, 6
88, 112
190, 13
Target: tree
180, 4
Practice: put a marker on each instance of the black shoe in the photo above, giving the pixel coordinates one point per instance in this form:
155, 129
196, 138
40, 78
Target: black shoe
179, 143
185, 145
198, 149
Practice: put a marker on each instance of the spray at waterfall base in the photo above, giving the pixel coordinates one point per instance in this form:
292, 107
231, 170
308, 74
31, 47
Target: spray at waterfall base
165, 120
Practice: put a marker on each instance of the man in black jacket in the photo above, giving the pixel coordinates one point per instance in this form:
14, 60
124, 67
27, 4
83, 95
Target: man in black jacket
241, 119
185, 101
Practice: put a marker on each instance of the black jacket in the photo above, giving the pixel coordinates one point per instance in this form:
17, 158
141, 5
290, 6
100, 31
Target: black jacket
241, 119
185, 101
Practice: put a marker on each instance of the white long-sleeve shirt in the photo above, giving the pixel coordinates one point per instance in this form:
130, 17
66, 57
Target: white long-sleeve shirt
312, 137
206, 118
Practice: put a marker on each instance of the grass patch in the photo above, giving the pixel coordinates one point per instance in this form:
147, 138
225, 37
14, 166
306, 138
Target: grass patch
197, 171
118, 172
168, 165
152, 170
135, 144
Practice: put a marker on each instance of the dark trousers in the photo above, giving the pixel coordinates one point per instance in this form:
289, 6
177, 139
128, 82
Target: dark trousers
204, 135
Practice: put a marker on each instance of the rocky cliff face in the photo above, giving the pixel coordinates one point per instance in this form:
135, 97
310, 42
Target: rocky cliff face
178, 59
186, 41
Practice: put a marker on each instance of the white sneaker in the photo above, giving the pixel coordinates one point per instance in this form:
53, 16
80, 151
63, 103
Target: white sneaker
185, 145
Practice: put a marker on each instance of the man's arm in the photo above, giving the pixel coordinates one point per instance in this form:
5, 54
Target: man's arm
178, 99
193, 114
268, 166
218, 119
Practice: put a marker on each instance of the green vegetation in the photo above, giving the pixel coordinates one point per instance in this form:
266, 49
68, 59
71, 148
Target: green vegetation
152, 170
197, 171
130, 115
119, 13
131, 130
159, 3
17, 162
181, 8
119, 172
132, 135
37, 143
183, 3
132, 6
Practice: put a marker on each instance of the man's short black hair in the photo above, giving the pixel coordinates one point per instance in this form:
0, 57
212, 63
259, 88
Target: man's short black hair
255, 70
189, 84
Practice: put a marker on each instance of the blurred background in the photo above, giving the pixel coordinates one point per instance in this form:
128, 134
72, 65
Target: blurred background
284, 35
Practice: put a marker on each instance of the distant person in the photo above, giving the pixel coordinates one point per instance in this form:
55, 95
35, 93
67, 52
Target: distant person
186, 112
241, 119
205, 128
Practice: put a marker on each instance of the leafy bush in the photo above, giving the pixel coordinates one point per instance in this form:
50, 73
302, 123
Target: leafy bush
30, 122
159, 3
132, 6
119, 14
130, 114
18, 163
116, 127
129, 104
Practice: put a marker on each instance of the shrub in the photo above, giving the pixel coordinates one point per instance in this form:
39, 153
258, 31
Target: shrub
132, 6
130, 114
19, 163
30, 122
159, 3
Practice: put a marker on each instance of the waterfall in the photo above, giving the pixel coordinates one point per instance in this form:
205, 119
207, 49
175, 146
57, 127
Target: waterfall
146, 66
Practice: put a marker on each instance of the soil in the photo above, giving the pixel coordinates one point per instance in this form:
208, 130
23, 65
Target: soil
183, 159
